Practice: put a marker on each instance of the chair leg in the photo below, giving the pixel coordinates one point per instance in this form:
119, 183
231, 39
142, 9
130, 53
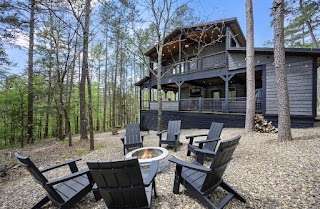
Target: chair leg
41, 203
229, 189
175, 147
188, 153
154, 189
200, 158
177, 179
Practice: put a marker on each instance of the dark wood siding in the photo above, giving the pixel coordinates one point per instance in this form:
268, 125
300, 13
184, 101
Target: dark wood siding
300, 81
197, 120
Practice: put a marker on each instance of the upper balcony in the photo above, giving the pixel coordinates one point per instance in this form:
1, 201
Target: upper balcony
210, 61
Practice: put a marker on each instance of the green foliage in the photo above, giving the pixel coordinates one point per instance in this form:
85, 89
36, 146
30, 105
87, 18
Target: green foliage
302, 20
9, 19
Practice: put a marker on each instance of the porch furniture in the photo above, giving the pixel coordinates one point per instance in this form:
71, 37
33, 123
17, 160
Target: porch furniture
63, 192
209, 144
121, 184
201, 181
173, 134
132, 138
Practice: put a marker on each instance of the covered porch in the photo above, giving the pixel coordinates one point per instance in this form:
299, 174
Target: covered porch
225, 94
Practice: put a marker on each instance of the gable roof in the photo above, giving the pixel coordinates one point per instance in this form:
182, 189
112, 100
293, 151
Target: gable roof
232, 22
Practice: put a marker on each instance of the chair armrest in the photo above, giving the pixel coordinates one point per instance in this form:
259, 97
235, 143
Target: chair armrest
66, 178
177, 133
122, 138
60, 165
159, 133
198, 135
190, 165
152, 174
207, 141
205, 151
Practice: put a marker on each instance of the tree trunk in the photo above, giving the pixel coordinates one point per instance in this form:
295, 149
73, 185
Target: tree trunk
30, 73
105, 86
84, 74
98, 113
159, 93
114, 86
121, 86
251, 98
284, 122
46, 126
90, 114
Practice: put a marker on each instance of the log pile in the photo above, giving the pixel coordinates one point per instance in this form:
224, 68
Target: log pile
262, 125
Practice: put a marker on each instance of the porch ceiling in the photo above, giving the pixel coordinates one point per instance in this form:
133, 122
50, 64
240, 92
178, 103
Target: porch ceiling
239, 78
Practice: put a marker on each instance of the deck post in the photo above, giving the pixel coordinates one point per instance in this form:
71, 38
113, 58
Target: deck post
200, 104
179, 84
141, 99
226, 79
149, 87
226, 100
180, 53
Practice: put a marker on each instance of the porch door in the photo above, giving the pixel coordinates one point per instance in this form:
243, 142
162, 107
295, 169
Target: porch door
216, 103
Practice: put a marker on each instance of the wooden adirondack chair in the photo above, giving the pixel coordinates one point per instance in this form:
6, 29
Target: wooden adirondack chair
209, 144
63, 192
121, 184
201, 181
132, 138
173, 134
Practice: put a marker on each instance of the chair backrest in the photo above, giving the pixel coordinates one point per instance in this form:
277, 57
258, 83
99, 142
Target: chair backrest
132, 134
119, 182
214, 132
38, 177
219, 163
173, 127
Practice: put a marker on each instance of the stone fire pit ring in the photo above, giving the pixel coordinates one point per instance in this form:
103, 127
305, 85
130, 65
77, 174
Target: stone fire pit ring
145, 163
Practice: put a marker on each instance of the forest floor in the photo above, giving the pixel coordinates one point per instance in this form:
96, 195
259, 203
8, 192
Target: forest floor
267, 173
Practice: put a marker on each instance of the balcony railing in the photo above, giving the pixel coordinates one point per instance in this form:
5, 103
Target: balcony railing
236, 105
211, 61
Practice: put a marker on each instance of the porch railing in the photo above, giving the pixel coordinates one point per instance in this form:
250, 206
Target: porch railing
210, 61
236, 105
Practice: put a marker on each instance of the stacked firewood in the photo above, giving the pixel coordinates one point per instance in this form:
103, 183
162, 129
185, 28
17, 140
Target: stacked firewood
262, 125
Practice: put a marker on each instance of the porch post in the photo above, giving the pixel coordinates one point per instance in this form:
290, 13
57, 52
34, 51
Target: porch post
226, 100
141, 88
226, 79
180, 54
179, 83
149, 87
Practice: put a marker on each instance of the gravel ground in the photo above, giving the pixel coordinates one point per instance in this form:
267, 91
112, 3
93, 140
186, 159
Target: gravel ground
267, 173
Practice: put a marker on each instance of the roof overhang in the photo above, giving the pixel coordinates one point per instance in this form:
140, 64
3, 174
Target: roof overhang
142, 81
212, 32
306, 52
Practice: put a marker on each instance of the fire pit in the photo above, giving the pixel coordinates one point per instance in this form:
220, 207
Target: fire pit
147, 154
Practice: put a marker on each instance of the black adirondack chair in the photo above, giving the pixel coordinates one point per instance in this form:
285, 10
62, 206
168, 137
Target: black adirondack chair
201, 181
209, 144
132, 138
173, 134
121, 184
63, 192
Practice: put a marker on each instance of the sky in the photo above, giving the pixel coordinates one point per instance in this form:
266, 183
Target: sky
212, 10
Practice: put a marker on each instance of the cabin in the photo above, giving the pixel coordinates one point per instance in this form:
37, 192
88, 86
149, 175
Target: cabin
204, 79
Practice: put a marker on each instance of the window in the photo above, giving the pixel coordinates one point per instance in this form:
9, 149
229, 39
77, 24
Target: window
232, 92
216, 94
195, 92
